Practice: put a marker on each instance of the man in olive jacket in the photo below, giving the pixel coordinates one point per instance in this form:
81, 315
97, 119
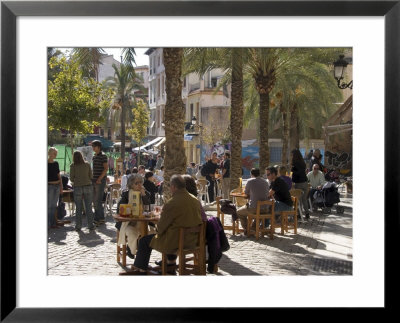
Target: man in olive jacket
182, 210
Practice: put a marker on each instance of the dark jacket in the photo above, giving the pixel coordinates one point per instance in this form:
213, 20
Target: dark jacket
299, 173
216, 242
152, 189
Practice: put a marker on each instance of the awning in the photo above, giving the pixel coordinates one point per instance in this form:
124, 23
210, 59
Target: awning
160, 143
152, 142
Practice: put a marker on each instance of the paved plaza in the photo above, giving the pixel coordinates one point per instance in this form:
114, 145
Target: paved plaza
322, 246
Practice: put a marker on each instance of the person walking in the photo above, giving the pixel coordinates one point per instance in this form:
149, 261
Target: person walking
99, 179
299, 179
54, 187
81, 176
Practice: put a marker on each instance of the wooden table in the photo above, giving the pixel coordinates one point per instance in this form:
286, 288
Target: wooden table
243, 195
144, 221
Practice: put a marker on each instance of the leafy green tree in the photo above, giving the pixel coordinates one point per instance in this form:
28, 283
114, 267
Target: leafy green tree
141, 117
74, 102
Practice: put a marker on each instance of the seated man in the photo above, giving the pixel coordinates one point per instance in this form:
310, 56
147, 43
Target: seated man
256, 190
182, 210
316, 179
279, 191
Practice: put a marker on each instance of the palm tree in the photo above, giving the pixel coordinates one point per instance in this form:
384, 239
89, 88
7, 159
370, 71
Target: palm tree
175, 159
90, 59
124, 83
231, 60
264, 65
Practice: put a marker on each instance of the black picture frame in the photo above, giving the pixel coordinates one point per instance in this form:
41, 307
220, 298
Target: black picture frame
10, 10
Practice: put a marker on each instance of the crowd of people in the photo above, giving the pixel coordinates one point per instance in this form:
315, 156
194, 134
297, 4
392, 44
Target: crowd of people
184, 208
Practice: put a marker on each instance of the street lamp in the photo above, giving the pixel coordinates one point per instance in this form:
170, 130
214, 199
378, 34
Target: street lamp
200, 126
339, 72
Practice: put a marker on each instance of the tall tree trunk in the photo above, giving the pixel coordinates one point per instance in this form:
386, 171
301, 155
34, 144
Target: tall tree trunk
123, 129
264, 128
236, 122
294, 128
175, 159
285, 135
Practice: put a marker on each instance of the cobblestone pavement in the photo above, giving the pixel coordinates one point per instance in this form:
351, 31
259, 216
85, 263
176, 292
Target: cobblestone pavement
322, 246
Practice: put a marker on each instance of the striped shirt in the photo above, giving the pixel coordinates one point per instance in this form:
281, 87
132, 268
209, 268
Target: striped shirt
98, 161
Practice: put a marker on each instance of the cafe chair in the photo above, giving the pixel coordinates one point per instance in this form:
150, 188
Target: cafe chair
195, 264
285, 225
221, 216
260, 228
113, 194
121, 252
202, 188
297, 193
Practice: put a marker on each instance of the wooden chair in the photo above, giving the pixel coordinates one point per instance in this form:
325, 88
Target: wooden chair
285, 226
221, 216
196, 264
297, 193
121, 251
259, 218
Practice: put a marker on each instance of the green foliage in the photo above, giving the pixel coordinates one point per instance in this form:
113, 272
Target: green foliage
74, 102
140, 121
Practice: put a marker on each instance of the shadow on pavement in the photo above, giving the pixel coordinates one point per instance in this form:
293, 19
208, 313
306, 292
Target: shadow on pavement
233, 267
106, 231
57, 235
90, 240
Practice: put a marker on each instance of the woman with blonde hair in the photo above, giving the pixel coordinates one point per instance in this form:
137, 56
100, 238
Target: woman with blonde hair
81, 176
54, 187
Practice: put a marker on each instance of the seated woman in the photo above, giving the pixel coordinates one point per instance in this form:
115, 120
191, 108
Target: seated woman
131, 229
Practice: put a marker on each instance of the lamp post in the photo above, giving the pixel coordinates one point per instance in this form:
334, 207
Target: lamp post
200, 127
339, 72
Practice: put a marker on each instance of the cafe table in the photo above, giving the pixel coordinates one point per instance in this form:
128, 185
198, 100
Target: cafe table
142, 220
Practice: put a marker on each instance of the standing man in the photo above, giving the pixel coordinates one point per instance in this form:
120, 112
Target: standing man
279, 191
256, 190
316, 179
226, 175
100, 168
208, 171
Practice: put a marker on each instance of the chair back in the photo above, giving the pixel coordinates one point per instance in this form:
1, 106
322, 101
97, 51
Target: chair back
271, 203
198, 251
296, 193
202, 185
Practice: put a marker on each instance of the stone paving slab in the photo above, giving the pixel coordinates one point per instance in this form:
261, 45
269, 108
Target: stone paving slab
322, 246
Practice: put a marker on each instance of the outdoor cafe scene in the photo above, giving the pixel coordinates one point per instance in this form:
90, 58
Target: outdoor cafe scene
200, 161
